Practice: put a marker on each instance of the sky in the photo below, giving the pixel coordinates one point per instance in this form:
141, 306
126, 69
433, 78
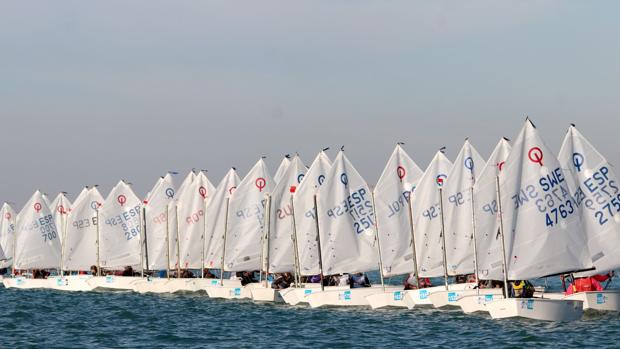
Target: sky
94, 92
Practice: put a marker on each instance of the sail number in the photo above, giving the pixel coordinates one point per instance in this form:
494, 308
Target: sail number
44, 226
128, 221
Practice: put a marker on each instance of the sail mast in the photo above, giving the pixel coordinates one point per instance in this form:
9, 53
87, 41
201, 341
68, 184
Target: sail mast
318, 239
501, 233
443, 239
98, 239
473, 227
415, 258
295, 245
224, 243
167, 241
374, 212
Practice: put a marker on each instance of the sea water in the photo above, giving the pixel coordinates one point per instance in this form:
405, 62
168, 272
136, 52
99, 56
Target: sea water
56, 319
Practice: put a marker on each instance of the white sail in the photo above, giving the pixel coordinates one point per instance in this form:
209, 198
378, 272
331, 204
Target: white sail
392, 192
36, 238
542, 227
284, 164
187, 181
346, 221
216, 219
120, 229
161, 227
191, 209
305, 217
488, 240
60, 207
595, 187
80, 244
246, 216
281, 256
7, 234
458, 219
427, 217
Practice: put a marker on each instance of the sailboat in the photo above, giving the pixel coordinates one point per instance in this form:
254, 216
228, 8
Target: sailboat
429, 231
60, 207
280, 251
36, 245
79, 246
347, 232
244, 235
395, 224
160, 231
487, 237
460, 230
540, 228
191, 215
7, 234
217, 221
305, 232
119, 239
281, 170
594, 185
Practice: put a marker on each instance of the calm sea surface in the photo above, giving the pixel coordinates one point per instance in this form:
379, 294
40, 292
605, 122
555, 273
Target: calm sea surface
53, 319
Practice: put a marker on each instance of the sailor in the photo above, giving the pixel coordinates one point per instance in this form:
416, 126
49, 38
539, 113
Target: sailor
359, 280
589, 283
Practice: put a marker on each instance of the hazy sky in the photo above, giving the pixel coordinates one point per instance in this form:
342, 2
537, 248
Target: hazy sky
94, 92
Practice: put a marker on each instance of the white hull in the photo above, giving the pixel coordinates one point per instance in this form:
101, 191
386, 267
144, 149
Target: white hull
172, 285
266, 294
71, 283
346, 297
594, 300
299, 295
393, 299
537, 309
24, 283
420, 296
477, 302
231, 292
113, 282
445, 298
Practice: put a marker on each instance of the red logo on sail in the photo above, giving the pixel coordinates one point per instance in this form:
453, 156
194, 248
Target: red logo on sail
400, 172
535, 155
203, 192
122, 199
61, 209
500, 165
37, 207
231, 189
7, 216
261, 183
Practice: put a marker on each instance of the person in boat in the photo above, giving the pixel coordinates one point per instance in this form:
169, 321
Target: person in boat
314, 279
207, 274
93, 270
460, 279
283, 281
246, 277
186, 274
411, 283
359, 280
128, 271
589, 283
521, 289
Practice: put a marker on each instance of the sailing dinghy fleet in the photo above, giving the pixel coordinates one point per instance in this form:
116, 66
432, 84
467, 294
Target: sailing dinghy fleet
308, 235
